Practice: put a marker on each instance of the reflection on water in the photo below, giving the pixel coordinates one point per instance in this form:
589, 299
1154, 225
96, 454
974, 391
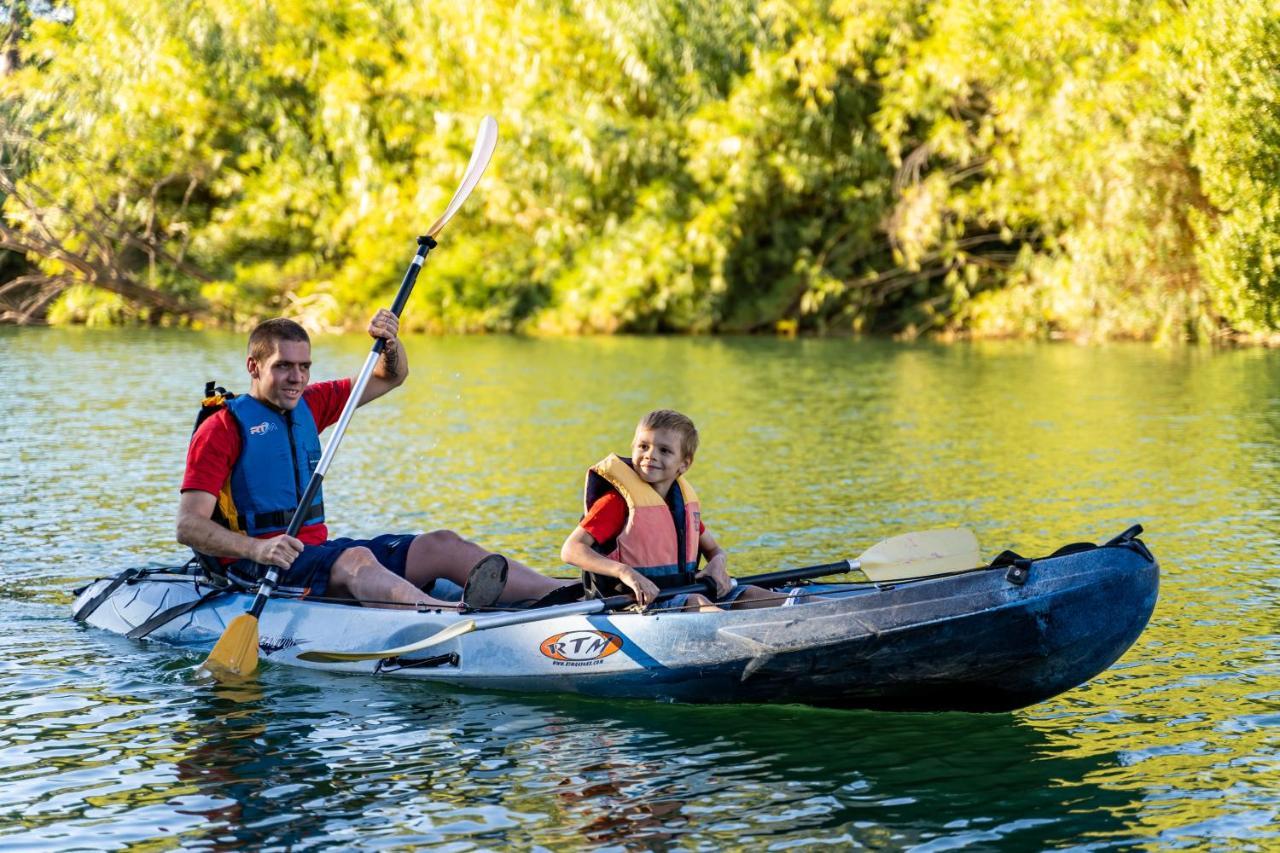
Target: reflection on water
812, 450
302, 756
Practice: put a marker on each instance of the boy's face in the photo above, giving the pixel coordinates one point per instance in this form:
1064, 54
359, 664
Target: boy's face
658, 456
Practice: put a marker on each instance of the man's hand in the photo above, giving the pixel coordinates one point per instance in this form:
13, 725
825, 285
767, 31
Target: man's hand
393, 365
386, 325
717, 572
277, 551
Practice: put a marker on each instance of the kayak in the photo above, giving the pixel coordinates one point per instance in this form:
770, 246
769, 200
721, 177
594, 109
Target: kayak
994, 638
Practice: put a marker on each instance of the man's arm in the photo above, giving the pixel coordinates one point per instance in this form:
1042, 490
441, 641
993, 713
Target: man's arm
393, 366
198, 530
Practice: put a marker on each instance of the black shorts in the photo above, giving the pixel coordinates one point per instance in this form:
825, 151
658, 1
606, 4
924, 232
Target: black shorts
309, 574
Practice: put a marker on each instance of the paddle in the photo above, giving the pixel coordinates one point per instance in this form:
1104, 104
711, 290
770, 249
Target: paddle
236, 653
910, 555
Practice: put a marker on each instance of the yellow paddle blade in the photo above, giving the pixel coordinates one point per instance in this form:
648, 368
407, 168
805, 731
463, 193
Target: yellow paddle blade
236, 653
921, 555
455, 630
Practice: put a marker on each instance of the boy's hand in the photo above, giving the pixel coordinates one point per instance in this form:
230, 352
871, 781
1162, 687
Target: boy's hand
717, 572
646, 591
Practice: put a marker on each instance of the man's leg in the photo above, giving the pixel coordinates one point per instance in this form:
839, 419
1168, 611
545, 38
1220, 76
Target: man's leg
358, 573
445, 554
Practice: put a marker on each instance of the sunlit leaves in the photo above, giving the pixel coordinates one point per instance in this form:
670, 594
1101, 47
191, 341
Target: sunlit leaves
1089, 168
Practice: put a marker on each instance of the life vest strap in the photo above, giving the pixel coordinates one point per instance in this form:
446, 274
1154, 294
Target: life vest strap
280, 518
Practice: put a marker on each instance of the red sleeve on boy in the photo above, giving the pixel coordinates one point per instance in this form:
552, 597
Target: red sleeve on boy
606, 518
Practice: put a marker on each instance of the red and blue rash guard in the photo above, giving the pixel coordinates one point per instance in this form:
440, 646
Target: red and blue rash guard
217, 446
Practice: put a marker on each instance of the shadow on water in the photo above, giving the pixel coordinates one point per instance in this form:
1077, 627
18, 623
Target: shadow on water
303, 758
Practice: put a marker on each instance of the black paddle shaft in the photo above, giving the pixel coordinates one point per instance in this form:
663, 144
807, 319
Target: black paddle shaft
425, 244
708, 587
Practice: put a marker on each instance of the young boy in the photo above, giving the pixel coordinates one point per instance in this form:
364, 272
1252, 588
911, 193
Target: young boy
643, 528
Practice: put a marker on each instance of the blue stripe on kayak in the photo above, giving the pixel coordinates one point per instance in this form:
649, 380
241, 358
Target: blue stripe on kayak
632, 649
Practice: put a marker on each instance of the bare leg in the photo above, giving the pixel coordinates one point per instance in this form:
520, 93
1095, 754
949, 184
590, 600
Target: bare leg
359, 575
701, 603
754, 596
445, 554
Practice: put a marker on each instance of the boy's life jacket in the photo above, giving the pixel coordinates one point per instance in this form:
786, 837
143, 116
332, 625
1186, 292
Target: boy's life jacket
279, 451
660, 538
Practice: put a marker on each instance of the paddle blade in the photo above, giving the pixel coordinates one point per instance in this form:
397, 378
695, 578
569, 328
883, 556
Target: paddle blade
921, 555
486, 141
455, 630
236, 653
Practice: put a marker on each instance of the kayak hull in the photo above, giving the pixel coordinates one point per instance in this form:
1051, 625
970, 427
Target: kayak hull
983, 640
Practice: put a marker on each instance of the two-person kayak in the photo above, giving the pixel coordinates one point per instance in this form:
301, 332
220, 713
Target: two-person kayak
992, 638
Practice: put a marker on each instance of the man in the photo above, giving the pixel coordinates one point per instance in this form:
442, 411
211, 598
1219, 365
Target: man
249, 463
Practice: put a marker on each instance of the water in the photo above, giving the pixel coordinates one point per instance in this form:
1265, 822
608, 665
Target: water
812, 451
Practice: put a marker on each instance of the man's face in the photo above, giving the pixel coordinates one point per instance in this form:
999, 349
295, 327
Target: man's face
281, 378
658, 456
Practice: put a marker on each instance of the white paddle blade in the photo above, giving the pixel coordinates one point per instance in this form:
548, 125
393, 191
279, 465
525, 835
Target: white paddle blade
455, 630
921, 555
486, 141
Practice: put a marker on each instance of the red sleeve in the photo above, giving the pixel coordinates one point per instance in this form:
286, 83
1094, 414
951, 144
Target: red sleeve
326, 400
606, 518
212, 453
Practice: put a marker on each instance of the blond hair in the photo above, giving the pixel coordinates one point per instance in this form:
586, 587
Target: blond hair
678, 423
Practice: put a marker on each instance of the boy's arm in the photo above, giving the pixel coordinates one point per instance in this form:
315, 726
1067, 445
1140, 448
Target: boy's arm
577, 551
717, 561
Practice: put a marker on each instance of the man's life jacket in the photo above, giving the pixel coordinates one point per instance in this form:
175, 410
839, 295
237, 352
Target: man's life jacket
278, 454
660, 539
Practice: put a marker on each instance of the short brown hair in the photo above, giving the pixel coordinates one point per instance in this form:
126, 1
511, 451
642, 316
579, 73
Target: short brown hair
264, 340
672, 420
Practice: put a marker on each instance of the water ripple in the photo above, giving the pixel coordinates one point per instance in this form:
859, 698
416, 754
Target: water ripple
811, 451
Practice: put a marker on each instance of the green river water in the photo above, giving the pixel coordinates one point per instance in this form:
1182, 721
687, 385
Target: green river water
811, 451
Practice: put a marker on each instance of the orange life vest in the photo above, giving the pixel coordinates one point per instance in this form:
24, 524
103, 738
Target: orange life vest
650, 542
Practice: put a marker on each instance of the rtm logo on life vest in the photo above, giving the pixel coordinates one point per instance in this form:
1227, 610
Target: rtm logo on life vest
580, 648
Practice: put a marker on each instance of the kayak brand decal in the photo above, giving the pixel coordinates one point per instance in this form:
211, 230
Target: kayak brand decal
580, 648
270, 645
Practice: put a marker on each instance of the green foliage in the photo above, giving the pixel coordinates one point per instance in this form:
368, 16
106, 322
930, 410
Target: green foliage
88, 306
1116, 144
1085, 168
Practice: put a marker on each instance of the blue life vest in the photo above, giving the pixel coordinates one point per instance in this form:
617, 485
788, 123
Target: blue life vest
279, 452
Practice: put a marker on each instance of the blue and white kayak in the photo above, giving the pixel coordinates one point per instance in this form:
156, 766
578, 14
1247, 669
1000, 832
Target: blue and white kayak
995, 638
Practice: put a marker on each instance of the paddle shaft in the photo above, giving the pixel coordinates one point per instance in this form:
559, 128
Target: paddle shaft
425, 245
705, 587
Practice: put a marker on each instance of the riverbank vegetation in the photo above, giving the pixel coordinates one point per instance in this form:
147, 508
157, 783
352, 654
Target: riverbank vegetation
1088, 169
